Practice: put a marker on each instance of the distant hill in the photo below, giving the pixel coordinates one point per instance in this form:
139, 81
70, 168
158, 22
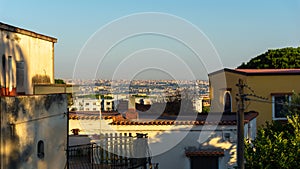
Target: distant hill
285, 58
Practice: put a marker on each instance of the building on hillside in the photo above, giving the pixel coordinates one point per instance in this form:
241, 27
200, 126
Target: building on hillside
27, 58
276, 85
208, 141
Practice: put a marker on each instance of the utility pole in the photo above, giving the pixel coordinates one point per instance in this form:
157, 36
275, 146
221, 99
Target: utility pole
240, 125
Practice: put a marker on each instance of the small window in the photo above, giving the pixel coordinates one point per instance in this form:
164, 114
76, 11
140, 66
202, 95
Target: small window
87, 109
107, 103
227, 102
94, 103
87, 104
94, 109
279, 106
40, 150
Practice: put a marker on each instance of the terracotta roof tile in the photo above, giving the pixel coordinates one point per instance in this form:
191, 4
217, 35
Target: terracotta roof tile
204, 153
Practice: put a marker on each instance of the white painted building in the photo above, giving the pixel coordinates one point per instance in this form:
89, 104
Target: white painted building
179, 143
88, 104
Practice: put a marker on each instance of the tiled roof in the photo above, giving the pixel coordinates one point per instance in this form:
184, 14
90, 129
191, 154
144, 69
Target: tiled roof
204, 153
91, 115
225, 119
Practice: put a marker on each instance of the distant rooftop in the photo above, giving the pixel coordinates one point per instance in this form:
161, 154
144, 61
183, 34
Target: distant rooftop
11, 28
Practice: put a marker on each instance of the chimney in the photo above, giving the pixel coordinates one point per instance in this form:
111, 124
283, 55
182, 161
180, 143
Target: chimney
131, 112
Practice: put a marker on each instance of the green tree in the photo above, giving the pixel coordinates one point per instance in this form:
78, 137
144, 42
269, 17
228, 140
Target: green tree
277, 144
59, 81
275, 59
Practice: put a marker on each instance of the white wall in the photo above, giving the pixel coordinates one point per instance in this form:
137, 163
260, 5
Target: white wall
164, 139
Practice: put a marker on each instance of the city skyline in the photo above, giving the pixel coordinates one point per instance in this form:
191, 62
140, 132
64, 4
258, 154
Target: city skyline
238, 31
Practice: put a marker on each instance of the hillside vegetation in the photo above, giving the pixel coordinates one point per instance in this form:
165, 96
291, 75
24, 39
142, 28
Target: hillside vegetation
285, 58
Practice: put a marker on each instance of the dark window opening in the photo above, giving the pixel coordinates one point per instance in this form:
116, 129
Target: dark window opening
40, 149
227, 102
204, 162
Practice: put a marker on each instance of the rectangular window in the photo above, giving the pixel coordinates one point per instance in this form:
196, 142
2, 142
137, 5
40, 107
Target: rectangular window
204, 162
87, 104
20, 77
280, 104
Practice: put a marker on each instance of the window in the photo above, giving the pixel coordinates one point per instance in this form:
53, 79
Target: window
107, 103
87, 109
87, 104
20, 77
94, 103
227, 102
94, 109
279, 106
204, 162
40, 149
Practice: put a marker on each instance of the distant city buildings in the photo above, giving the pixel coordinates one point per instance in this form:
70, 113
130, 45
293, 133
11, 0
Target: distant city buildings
145, 92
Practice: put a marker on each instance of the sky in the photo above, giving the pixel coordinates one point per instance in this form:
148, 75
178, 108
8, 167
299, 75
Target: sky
91, 44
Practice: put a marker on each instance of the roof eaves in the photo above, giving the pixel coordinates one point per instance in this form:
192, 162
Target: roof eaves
11, 28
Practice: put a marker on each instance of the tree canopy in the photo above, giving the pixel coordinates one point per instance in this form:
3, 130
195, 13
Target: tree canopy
59, 81
277, 144
285, 58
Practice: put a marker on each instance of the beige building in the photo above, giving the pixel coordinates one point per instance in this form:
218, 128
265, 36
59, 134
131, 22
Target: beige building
27, 58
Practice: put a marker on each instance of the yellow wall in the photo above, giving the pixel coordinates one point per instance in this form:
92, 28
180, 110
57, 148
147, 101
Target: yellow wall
37, 54
263, 85
220, 83
266, 85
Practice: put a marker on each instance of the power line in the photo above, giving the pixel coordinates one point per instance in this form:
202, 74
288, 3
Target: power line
45, 117
274, 102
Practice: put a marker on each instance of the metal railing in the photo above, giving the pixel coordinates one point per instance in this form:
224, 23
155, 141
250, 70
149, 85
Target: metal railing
110, 152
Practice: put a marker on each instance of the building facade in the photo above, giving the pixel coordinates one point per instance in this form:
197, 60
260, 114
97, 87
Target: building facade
27, 58
267, 89
33, 131
176, 143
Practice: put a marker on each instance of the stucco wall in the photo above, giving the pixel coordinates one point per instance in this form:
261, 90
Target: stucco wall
25, 120
37, 55
164, 143
262, 85
266, 85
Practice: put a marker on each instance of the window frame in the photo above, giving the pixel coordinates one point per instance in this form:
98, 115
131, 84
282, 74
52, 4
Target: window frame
289, 95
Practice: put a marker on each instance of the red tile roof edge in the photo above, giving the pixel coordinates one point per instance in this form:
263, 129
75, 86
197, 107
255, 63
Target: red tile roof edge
198, 153
120, 121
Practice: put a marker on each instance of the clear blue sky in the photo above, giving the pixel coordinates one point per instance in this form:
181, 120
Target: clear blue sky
239, 30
